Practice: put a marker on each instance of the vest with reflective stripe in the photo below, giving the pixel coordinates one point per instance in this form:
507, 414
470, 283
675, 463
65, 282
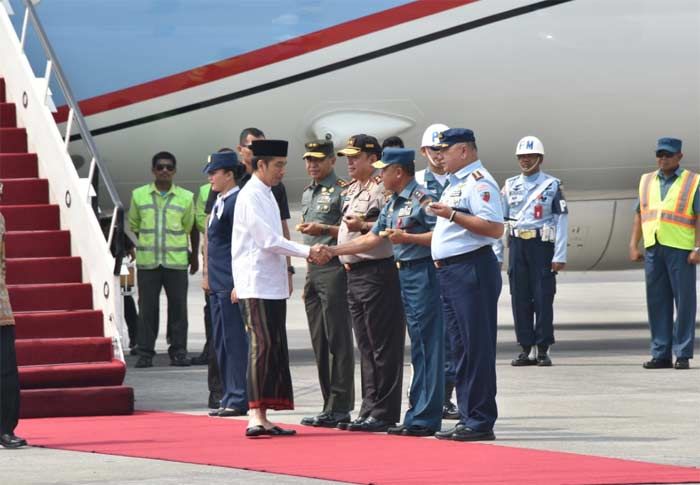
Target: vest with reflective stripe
163, 224
200, 216
671, 221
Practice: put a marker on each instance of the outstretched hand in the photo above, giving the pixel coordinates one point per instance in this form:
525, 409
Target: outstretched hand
320, 254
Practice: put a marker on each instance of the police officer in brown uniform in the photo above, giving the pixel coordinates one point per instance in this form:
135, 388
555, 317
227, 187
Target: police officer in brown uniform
325, 290
374, 294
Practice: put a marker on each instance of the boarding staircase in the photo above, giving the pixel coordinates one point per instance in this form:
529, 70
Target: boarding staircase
62, 271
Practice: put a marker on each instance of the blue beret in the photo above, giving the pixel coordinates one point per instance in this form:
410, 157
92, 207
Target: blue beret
672, 145
453, 136
227, 160
392, 156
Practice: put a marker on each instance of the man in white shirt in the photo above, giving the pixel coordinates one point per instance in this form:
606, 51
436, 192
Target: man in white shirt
258, 252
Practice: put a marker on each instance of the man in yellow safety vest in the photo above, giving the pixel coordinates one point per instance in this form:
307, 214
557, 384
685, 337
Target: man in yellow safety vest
162, 216
667, 219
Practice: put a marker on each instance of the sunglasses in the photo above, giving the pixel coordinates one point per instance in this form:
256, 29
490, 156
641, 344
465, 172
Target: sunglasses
664, 154
160, 167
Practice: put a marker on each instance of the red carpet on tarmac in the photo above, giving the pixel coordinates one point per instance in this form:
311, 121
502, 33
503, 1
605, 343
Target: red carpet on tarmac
334, 454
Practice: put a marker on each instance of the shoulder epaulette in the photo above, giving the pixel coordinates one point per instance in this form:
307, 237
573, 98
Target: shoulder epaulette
341, 183
378, 179
419, 195
477, 175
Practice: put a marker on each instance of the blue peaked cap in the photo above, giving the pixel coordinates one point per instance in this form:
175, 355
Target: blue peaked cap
227, 160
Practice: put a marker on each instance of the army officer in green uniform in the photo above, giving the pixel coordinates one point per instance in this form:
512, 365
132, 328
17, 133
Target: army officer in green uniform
325, 291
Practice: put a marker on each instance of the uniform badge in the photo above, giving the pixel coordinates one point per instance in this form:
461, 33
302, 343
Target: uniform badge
486, 196
330, 191
477, 175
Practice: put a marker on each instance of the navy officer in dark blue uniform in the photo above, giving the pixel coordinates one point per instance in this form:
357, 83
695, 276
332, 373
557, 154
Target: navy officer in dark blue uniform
228, 330
470, 220
405, 223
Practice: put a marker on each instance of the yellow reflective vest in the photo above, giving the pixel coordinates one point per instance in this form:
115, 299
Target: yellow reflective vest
671, 221
200, 216
163, 223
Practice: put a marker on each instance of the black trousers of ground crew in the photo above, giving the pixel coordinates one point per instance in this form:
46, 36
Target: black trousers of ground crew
150, 282
326, 303
379, 322
9, 381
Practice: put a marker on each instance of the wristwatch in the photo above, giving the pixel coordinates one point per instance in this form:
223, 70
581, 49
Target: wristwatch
291, 270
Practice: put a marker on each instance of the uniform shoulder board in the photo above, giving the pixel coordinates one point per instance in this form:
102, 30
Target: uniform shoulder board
378, 179
477, 175
341, 183
420, 195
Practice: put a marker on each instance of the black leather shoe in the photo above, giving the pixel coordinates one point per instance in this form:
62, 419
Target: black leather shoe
371, 425
214, 401
10, 440
230, 412
180, 360
330, 420
215, 412
396, 430
464, 433
144, 362
254, 431
658, 364
543, 360
416, 430
682, 363
522, 360
277, 431
450, 411
346, 425
309, 420
201, 359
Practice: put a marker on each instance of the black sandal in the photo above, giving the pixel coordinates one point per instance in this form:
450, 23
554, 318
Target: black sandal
254, 431
277, 431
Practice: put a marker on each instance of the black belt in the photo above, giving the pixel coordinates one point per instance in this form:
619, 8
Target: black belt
462, 258
366, 262
412, 262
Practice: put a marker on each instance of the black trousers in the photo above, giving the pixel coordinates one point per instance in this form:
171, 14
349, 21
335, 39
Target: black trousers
9, 381
131, 315
213, 376
326, 303
151, 281
379, 322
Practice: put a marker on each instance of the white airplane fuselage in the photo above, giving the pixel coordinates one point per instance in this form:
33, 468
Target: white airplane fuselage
598, 81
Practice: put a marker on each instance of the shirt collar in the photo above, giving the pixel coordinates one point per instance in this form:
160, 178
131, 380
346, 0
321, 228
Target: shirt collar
676, 173
464, 172
259, 184
230, 192
532, 178
157, 191
329, 181
408, 190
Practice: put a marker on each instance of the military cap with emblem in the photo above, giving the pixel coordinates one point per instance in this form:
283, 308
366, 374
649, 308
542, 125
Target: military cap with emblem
319, 149
269, 148
226, 160
396, 156
453, 136
361, 143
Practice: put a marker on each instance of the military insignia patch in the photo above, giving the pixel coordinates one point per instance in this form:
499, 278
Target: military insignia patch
477, 175
341, 183
378, 178
486, 196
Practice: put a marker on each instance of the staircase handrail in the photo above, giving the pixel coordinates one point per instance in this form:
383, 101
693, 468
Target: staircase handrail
115, 238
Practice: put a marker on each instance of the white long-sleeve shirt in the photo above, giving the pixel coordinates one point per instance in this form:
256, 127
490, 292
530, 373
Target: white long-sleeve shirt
258, 248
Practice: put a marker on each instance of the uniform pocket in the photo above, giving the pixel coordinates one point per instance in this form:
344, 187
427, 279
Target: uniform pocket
549, 282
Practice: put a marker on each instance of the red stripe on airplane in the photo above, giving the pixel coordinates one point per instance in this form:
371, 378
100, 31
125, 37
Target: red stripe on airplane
263, 57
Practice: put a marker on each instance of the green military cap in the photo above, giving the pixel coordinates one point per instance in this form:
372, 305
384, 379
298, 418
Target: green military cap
319, 149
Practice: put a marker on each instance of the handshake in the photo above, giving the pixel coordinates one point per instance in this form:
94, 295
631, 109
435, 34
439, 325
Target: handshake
320, 254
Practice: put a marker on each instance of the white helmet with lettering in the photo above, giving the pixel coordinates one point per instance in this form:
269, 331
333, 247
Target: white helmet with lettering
430, 135
529, 144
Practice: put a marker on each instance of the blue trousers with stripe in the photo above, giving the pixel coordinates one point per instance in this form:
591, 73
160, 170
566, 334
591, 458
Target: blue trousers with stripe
470, 291
231, 346
670, 280
421, 298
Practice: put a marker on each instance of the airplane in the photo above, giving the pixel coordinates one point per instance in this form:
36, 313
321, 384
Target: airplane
598, 81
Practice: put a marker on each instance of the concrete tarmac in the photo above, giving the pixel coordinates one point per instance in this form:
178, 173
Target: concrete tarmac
596, 399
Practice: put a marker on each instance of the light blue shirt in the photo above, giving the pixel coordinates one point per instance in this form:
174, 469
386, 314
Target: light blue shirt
406, 211
472, 188
552, 211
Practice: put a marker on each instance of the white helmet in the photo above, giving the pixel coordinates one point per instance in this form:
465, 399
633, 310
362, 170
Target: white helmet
430, 135
529, 144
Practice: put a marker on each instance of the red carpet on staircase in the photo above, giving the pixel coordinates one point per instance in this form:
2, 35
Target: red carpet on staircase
337, 455
67, 366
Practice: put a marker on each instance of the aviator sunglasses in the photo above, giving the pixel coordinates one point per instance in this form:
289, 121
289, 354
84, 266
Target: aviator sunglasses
161, 166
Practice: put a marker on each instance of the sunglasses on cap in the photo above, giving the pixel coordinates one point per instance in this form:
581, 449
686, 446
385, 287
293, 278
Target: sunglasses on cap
164, 166
664, 154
